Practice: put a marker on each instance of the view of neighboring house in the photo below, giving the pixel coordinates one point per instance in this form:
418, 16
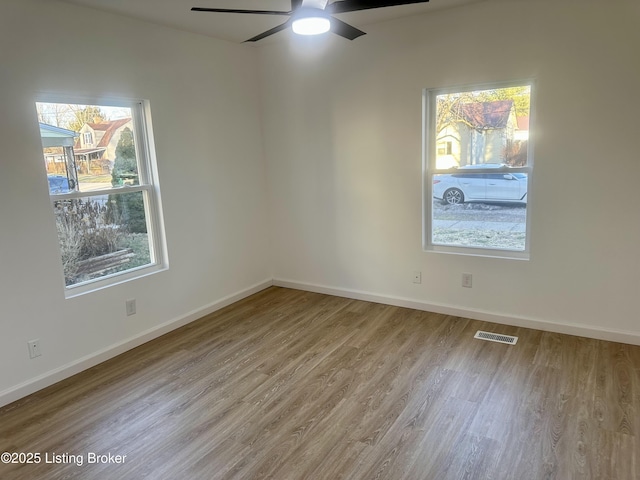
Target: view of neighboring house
483, 132
522, 132
93, 148
57, 144
96, 146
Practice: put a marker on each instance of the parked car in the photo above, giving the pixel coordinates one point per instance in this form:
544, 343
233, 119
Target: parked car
58, 184
481, 183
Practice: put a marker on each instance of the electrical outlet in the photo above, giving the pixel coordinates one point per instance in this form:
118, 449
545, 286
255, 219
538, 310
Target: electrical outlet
131, 307
467, 280
417, 277
34, 348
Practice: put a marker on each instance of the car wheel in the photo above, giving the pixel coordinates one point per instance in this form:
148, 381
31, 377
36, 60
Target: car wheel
453, 196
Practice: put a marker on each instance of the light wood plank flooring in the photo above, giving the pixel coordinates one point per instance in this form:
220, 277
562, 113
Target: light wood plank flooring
295, 385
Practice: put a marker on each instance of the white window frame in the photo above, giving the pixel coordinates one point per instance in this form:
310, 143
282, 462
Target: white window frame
148, 184
429, 155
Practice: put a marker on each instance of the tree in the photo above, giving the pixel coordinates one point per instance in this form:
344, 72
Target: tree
56, 114
454, 110
69, 116
450, 112
125, 166
126, 148
521, 97
84, 114
127, 209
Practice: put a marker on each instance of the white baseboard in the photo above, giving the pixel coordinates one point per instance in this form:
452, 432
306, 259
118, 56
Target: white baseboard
53, 376
581, 330
49, 378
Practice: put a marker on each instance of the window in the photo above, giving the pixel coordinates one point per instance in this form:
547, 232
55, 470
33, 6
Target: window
478, 167
444, 148
104, 197
88, 138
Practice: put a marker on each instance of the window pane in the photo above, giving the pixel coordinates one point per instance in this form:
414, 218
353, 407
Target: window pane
102, 235
482, 127
478, 168
481, 211
88, 147
99, 164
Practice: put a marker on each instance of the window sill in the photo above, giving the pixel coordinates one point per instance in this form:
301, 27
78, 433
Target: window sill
91, 286
478, 252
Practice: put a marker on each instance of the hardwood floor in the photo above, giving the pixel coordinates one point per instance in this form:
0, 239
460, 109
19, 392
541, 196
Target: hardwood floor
295, 385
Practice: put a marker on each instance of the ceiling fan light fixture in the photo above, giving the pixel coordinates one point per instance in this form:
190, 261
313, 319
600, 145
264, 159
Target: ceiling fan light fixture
310, 21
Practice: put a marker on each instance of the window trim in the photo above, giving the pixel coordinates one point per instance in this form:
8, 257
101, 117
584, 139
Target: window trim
429, 156
148, 184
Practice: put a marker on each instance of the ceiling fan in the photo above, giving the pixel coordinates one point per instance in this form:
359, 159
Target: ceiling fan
312, 17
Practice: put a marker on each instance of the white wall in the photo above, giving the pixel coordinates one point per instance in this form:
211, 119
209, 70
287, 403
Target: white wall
342, 123
205, 111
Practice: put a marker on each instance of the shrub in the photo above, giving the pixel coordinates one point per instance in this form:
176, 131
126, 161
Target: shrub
84, 232
128, 208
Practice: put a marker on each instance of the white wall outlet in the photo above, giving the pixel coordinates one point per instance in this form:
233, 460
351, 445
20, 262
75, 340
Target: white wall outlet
467, 280
131, 307
34, 348
417, 277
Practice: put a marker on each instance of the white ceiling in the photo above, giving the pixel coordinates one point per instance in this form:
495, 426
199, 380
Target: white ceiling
239, 27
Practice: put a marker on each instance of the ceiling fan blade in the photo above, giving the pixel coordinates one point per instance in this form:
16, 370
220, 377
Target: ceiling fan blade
269, 32
355, 5
228, 10
345, 30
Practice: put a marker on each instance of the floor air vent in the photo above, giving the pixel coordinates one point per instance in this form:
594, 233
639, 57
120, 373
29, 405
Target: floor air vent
495, 337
